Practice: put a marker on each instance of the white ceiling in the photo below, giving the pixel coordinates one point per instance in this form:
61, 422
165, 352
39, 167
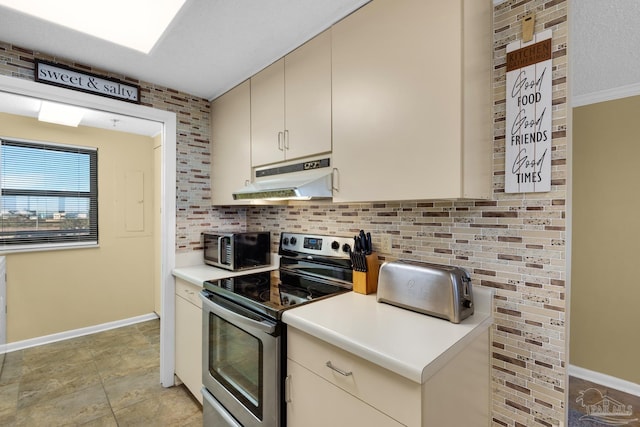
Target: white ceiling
211, 45
214, 44
604, 45
29, 107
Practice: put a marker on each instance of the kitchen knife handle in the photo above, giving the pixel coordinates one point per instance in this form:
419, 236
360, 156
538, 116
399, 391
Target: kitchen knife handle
363, 241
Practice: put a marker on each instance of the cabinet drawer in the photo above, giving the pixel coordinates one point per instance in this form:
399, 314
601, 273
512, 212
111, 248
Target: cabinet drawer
390, 393
308, 389
189, 292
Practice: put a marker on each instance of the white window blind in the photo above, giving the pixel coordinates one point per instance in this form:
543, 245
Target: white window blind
49, 194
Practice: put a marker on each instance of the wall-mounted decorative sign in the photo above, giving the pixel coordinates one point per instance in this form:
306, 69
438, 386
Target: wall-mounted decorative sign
528, 126
60, 75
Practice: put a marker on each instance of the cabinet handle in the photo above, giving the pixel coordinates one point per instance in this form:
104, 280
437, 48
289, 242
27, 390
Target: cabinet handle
335, 184
287, 389
338, 370
280, 144
286, 139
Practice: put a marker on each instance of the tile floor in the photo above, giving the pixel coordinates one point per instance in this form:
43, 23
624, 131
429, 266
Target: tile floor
111, 378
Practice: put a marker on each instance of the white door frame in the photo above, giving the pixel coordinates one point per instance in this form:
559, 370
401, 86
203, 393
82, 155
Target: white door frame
167, 191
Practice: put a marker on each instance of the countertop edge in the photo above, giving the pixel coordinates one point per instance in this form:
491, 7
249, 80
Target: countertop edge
198, 274
394, 365
403, 368
446, 356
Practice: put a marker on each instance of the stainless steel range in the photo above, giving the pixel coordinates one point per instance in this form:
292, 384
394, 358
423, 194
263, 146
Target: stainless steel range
244, 339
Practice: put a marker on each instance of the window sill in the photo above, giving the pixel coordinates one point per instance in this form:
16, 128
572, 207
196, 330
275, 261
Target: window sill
18, 249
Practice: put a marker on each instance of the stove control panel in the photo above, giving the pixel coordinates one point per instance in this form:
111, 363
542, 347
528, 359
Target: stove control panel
318, 245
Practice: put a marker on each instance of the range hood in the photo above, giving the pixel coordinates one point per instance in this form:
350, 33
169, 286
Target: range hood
301, 181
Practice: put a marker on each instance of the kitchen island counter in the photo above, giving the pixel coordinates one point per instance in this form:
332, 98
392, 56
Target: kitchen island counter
410, 344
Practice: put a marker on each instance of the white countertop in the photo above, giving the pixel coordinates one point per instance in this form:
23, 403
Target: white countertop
410, 344
198, 274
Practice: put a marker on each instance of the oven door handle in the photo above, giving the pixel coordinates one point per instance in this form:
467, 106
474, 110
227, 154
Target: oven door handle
232, 316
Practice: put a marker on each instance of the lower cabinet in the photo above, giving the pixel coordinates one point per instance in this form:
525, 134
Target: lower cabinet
188, 342
338, 408
354, 391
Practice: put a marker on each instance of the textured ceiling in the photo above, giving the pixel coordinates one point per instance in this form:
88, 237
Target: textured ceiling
215, 44
211, 45
605, 45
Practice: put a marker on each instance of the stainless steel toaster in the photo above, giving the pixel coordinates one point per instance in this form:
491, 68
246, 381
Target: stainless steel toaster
437, 290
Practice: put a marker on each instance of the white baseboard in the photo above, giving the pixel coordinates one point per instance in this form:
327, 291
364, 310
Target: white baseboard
605, 380
48, 339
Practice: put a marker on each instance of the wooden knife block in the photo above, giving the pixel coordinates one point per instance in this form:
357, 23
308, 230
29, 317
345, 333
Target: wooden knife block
367, 282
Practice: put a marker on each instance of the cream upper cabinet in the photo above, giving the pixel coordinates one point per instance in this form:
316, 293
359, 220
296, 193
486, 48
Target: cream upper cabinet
291, 105
412, 110
231, 144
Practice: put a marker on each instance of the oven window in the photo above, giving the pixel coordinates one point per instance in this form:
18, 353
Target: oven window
235, 361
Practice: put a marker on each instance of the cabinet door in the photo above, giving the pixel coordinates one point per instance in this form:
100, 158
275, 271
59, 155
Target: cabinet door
231, 144
188, 342
312, 401
307, 73
267, 115
389, 393
397, 101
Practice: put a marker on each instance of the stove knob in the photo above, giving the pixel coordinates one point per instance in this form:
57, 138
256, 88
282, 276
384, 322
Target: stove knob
293, 240
285, 241
346, 247
335, 245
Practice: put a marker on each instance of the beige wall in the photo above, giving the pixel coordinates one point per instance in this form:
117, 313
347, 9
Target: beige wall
606, 238
55, 291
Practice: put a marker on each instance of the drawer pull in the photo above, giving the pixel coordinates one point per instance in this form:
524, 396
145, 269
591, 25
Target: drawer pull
338, 370
287, 389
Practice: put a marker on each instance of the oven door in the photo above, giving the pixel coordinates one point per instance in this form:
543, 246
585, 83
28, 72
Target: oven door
242, 358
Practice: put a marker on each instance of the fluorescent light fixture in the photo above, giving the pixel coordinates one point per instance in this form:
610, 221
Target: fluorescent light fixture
135, 24
61, 114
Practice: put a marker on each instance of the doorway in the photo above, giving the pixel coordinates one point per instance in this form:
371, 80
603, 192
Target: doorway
166, 189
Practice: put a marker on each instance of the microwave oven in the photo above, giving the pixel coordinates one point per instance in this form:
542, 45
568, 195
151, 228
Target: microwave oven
237, 250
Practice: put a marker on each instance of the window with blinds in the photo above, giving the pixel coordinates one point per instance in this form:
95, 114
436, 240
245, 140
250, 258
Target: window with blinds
49, 195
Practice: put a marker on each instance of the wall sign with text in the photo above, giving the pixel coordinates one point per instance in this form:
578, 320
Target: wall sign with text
59, 75
528, 125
